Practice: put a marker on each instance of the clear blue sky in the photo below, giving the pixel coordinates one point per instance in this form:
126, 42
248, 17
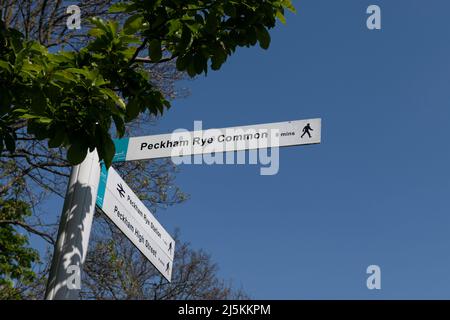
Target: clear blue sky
376, 191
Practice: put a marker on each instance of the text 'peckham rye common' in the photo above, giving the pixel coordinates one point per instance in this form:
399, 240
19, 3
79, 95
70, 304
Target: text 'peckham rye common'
203, 141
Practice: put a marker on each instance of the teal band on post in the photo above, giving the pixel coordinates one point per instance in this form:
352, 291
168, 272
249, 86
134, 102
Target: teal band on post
102, 185
121, 149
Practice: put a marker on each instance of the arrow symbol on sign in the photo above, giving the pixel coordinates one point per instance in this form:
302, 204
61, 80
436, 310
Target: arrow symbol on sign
121, 191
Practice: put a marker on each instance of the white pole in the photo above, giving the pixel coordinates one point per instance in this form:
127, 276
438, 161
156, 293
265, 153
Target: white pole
74, 230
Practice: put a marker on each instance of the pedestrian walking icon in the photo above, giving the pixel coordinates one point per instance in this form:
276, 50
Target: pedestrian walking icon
306, 130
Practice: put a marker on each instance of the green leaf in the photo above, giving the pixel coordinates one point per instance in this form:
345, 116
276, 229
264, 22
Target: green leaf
38, 101
281, 17
99, 23
16, 40
96, 32
191, 69
37, 130
288, 4
28, 66
77, 153
44, 120
211, 23
263, 37
99, 81
112, 28
57, 139
194, 27
105, 146
63, 76
20, 111
118, 7
182, 62
108, 92
185, 41
120, 125
109, 150
133, 24
5, 66
174, 26
133, 109
27, 116
21, 58
86, 73
218, 58
155, 52
199, 63
10, 142
5, 100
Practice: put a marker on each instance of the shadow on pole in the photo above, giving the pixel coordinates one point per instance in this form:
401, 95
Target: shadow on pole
74, 231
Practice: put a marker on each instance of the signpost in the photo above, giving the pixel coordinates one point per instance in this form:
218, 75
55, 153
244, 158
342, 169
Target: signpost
131, 216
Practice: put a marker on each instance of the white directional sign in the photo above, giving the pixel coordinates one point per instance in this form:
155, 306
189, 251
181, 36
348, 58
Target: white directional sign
132, 217
183, 143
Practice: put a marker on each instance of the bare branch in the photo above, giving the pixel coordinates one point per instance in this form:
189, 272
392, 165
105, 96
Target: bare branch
31, 229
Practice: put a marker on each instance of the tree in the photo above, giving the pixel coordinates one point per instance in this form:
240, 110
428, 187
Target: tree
16, 259
37, 28
71, 98
34, 173
41, 171
114, 269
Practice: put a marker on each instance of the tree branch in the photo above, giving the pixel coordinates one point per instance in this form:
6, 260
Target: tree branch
29, 228
148, 60
136, 53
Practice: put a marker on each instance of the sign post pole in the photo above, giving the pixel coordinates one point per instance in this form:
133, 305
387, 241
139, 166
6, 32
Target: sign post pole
74, 230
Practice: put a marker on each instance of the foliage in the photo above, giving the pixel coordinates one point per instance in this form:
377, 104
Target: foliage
201, 31
71, 98
59, 98
16, 258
